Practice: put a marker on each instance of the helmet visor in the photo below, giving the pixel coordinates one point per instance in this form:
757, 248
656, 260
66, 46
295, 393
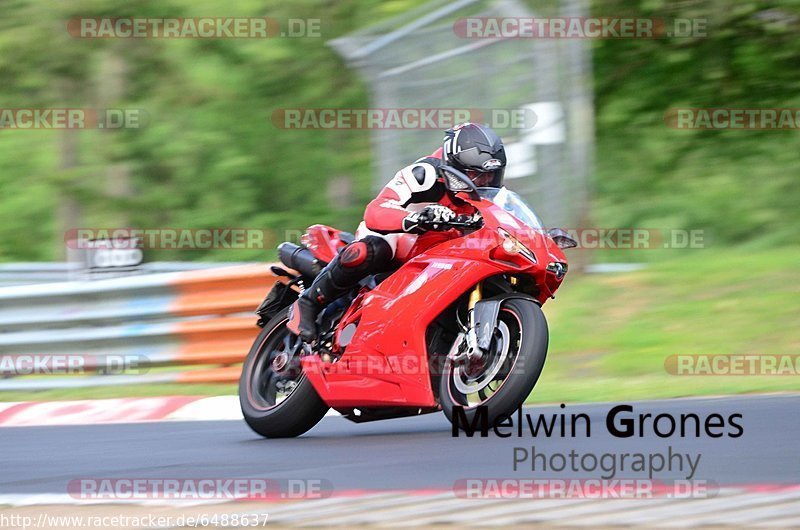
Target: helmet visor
484, 168
481, 179
473, 158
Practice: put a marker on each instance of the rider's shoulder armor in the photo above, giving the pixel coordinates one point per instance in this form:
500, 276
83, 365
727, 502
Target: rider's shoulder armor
418, 182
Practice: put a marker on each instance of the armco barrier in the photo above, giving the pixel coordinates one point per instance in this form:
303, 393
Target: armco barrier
181, 319
44, 272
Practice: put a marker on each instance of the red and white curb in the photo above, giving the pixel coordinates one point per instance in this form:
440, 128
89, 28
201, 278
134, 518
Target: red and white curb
122, 410
128, 410
732, 507
762, 506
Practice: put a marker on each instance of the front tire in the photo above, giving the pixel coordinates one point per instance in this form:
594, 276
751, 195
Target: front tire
265, 410
504, 379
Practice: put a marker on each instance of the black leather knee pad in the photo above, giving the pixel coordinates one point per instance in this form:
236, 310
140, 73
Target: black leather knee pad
360, 258
380, 253
354, 262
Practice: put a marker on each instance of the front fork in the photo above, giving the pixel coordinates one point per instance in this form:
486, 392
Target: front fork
472, 352
483, 315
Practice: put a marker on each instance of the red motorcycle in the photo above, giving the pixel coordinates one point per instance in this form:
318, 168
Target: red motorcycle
457, 327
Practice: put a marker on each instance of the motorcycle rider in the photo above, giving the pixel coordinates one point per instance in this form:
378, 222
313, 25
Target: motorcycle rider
414, 201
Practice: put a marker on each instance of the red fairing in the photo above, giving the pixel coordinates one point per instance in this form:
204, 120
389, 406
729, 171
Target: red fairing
386, 363
386, 360
323, 241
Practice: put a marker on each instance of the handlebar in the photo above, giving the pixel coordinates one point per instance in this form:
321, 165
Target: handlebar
465, 221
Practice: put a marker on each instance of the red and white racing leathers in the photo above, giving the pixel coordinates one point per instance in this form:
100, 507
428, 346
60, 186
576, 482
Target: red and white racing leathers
411, 189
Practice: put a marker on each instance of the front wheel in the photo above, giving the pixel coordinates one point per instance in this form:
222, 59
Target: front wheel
277, 399
505, 375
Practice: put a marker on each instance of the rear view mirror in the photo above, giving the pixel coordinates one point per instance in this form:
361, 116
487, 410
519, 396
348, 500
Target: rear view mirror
456, 181
561, 238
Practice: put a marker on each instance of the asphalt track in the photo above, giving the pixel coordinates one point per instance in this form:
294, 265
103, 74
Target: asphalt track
412, 453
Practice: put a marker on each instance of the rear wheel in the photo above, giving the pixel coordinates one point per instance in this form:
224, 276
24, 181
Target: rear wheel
277, 399
504, 376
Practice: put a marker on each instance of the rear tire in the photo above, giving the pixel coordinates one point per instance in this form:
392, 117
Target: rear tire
301, 409
530, 342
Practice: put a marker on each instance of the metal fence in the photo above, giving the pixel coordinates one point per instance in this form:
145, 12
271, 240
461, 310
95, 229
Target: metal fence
419, 60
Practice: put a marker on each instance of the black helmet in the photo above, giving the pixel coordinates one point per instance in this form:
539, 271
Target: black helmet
477, 151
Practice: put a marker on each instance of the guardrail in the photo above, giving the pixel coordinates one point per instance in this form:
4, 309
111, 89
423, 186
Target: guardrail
26, 273
200, 322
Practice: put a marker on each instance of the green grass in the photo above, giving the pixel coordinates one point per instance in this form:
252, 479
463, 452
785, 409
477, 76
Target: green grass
610, 334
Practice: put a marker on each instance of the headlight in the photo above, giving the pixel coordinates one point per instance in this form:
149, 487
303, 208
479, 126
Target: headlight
558, 268
512, 245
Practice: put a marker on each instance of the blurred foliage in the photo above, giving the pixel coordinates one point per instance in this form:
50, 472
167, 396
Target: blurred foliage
211, 157
739, 185
611, 334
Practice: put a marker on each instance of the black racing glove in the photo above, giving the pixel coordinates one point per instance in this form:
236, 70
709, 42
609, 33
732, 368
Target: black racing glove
433, 217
